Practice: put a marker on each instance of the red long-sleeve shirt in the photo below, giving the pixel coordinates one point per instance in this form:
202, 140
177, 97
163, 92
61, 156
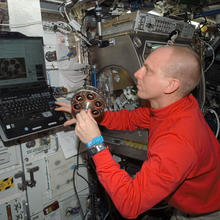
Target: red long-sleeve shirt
183, 164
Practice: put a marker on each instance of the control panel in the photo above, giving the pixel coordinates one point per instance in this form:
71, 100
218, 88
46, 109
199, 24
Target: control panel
154, 24
144, 22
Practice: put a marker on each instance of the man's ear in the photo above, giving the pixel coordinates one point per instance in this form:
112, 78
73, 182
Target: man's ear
173, 85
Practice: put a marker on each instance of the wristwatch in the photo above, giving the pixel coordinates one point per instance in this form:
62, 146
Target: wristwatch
96, 148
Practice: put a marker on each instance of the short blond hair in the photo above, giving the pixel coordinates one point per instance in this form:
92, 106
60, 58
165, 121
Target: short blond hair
185, 65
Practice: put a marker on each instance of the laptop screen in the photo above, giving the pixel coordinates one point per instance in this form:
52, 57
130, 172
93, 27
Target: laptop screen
21, 61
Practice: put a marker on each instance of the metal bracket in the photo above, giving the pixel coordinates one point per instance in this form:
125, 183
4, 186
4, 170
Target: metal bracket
22, 186
32, 182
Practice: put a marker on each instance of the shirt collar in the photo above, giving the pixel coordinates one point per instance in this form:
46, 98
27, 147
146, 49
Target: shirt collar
175, 107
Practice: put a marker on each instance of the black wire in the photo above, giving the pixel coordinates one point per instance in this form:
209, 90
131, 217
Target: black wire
76, 155
86, 214
74, 184
82, 176
76, 193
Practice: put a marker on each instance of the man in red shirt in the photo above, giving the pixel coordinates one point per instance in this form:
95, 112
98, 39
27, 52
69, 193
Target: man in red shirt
183, 157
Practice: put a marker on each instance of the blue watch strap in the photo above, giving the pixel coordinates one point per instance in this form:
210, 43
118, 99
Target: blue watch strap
96, 140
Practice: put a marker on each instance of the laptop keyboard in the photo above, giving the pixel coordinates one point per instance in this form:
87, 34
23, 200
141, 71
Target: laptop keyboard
24, 114
18, 108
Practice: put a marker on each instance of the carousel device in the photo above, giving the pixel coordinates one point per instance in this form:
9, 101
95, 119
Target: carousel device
89, 97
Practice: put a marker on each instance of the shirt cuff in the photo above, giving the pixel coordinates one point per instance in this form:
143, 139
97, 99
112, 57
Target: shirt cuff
103, 158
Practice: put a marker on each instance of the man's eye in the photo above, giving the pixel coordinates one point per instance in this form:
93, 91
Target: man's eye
145, 67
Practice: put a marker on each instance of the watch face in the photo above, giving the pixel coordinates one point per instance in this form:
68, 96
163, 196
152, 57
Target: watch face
96, 148
93, 150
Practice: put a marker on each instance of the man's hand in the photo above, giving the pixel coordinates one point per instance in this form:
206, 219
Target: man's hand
86, 126
65, 107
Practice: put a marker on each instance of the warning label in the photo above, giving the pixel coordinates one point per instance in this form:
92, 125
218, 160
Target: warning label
6, 183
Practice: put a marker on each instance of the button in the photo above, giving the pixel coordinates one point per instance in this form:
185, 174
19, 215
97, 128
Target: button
8, 126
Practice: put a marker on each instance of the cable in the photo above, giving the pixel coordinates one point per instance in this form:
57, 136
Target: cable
65, 12
83, 37
82, 176
74, 183
217, 119
27, 208
206, 13
76, 155
106, 215
63, 27
72, 23
87, 211
213, 56
60, 8
203, 84
76, 193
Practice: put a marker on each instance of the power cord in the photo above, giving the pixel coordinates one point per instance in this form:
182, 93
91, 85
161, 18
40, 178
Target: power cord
74, 180
213, 56
217, 120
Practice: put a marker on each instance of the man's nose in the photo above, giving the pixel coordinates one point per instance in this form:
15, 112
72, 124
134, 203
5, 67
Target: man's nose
137, 73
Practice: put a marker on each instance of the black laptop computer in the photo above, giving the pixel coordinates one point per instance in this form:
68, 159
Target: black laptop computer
26, 101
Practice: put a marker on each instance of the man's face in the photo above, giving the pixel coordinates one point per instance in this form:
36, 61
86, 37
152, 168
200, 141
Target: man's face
151, 82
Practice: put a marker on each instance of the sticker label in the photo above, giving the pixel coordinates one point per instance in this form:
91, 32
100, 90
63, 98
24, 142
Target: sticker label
6, 183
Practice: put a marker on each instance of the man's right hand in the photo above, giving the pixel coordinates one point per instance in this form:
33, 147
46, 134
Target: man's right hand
65, 107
